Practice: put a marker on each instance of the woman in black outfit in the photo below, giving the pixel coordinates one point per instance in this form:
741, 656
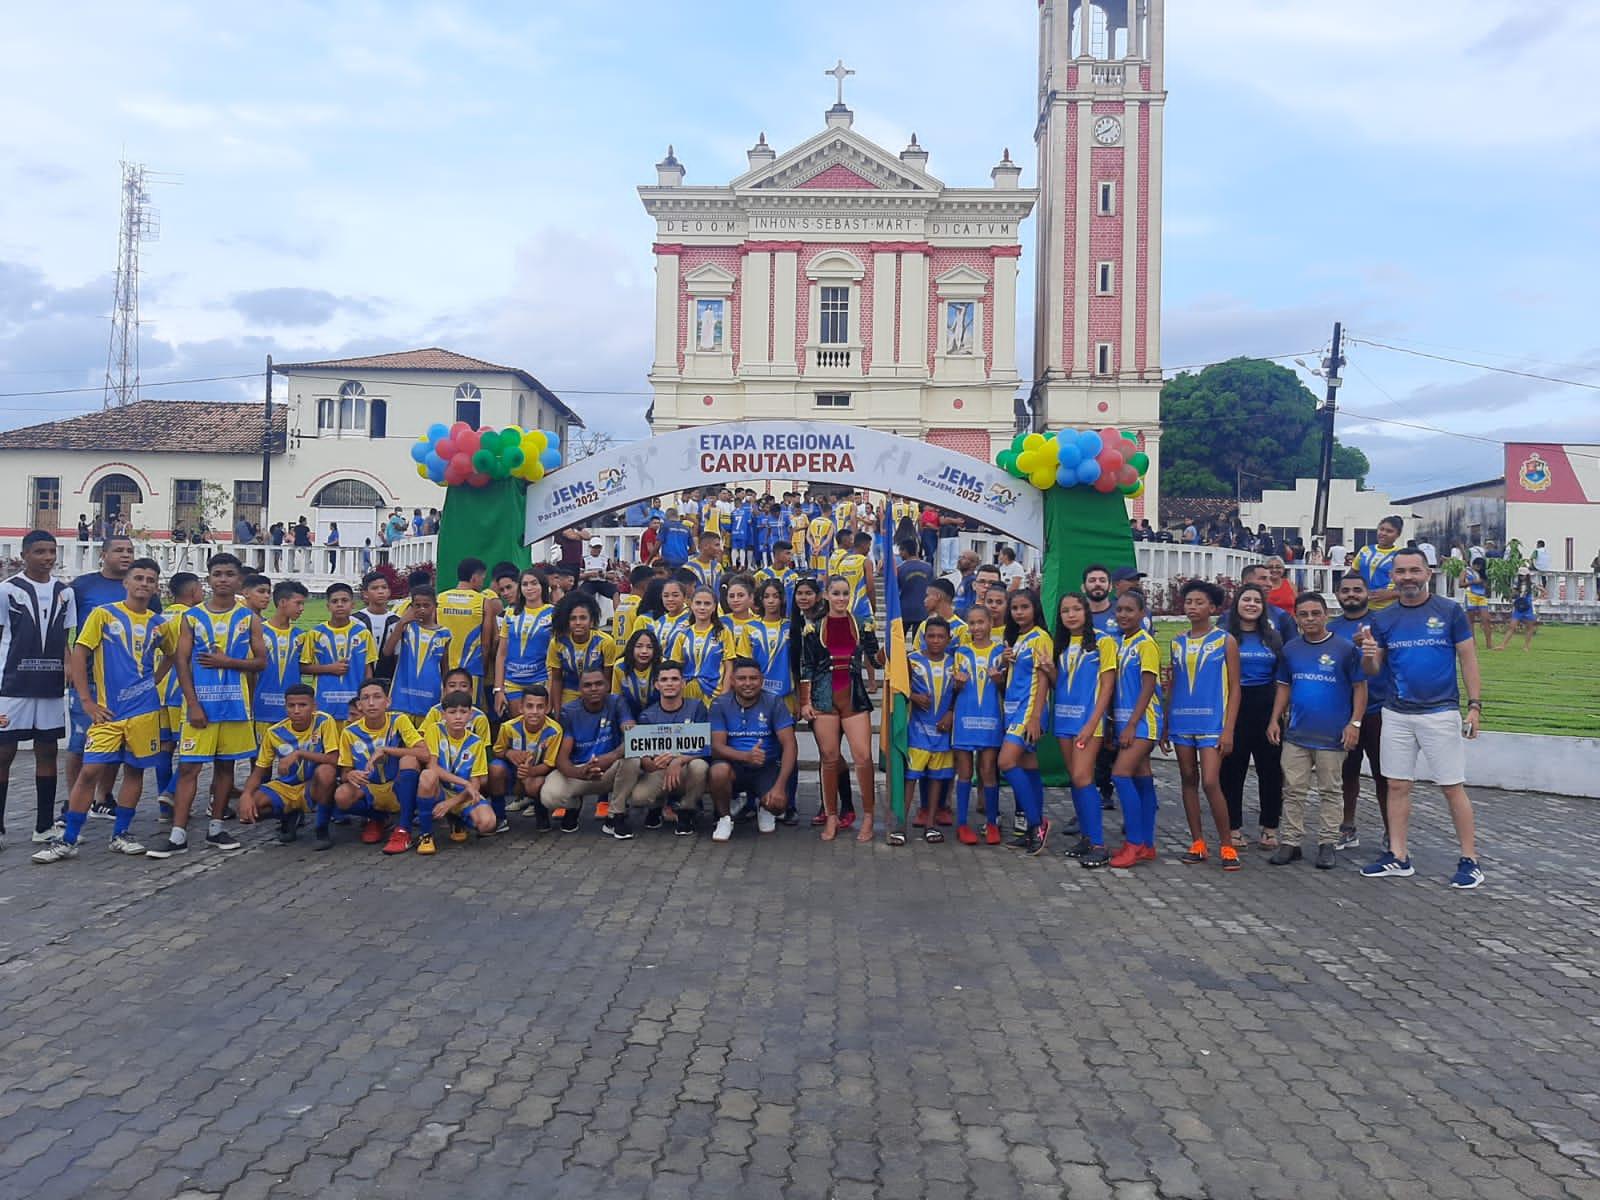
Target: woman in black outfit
810, 606
1260, 646
837, 657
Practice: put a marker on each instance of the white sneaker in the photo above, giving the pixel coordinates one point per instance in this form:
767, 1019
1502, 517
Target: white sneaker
724, 830
55, 852
125, 845
766, 820
53, 834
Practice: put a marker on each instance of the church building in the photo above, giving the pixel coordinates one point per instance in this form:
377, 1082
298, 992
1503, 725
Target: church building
839, 281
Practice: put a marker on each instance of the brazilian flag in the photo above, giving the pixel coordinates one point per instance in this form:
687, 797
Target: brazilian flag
895, 728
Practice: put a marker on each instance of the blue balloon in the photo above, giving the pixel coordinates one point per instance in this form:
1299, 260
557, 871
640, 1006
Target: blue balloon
550, 459
420, 451
437, 430
1067, 476
1068, 454
435, 466
1089, 445
552, 439
1088, 469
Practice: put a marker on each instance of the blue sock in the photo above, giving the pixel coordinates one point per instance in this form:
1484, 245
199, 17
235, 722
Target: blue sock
74, 823
498, 803
963, 801
1034, 805
123, 823
1087, 803
1147, 793
164, 771
1132, 808
324, 817
276, 801
1021, 790
424, 810
991, 804
924, 791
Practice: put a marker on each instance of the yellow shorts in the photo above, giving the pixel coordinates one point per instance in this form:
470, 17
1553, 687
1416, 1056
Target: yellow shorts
135, 741
930, 764
226, 740
383, 797
262, 728
171, 722
1476, 601
293, 795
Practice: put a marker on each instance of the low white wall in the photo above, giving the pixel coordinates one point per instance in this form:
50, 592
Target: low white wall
1531, 762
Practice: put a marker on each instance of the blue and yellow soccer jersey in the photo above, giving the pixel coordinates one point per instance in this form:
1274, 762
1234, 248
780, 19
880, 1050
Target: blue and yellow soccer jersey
573, 658
220, 690
543, 743
1078, 675
740, 628
434, 719
787, 576
527, 640
419, 669
958, 634
1199, 699
702, 653
171, 620
123, 647
768, 643
1138, 655
707, 574
1025, 680
359, 745
461, 612
665, 627
1376, 566
466, 756
636, 688
320, 737
622, 614
281, 672
819, 541
350, 643
853, 566
928, 753
977, 704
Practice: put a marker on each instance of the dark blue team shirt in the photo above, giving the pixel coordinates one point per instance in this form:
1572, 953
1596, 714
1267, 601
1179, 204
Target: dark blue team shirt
594, 733
675, 542
1258, 662
689, 713
94, 591
1322, 677
1377, 685
750, 727
1419, 644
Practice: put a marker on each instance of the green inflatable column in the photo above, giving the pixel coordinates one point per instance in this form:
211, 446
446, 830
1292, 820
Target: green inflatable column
1081, 526
484, 523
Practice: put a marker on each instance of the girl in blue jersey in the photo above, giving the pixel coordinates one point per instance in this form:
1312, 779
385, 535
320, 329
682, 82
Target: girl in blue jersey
740, 594
522, 650
767, 641
705, 648
1086, 666
980, 679
1136, 723
1476, 581
1029, 660
576, 645
419, 647
1260, 647
633, 679
1202, 687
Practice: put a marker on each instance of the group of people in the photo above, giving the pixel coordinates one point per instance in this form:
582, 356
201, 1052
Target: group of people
514, 691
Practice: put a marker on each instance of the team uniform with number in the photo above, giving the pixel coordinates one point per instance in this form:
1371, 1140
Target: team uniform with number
928, 748
1199, 700
288, 785
124, 646
229, 734
34, 620
359, 748
1137, 656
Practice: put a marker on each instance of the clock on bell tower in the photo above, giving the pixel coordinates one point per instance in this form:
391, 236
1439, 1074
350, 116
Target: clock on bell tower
1097, 304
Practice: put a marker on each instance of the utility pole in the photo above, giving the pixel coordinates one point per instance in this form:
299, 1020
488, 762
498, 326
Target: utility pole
266, 448
1330, 369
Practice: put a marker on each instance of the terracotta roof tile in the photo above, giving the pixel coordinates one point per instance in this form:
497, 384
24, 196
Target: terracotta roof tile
167, 426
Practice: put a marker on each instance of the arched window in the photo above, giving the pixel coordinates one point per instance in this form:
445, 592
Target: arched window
469, 404
347, 493
344, 414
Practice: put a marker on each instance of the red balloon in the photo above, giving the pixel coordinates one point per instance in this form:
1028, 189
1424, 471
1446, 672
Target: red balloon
477, 479
445, 448
455, 475
469, 442
1110, 460
459, 428
1106, 483
1111, 435
1128, 476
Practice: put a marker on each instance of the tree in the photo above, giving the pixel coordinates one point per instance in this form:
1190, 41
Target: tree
581, 443
1245, 421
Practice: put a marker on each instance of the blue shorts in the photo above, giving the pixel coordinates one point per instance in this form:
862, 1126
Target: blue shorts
1201, 741
1014, 737
77, 724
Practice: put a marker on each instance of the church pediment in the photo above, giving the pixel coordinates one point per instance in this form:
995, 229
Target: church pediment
837, 159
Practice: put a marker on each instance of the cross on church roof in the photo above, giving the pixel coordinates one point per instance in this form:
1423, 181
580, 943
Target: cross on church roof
840, 73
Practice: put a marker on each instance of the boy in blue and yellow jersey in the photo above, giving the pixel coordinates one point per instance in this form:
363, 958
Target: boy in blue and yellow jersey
418, 645
782, 569
298, 754
339, 655
524, 753
187, 591
470, 616
1135, 725
626, 606
930, 763
820, 533
118, 650
941, 601
980, 678
1375, 564
457, 679
1202, 689
854, 563
283, 640
741, 532
707, 566
255, 593
677, 539
219, 643
453, 785
380, 756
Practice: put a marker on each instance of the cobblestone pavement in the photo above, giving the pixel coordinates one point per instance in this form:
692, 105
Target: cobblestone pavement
571, 1016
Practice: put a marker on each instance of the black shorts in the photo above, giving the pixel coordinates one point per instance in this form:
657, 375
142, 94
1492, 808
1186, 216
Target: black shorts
754, 781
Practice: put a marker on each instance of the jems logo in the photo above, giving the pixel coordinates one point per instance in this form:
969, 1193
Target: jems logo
956, 477
574, 493
999, 497
612, 479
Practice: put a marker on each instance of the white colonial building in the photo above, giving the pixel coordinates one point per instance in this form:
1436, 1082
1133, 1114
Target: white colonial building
340, 449
839, 281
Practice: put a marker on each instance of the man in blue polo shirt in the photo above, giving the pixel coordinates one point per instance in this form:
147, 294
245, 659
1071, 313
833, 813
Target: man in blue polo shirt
591, 749
1353, 616
1417, 642
1321, 686
677, 540
753, 749
657, 780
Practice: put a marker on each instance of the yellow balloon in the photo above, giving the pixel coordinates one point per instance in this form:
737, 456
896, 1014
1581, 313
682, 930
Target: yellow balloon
537, 440
422, 471
533, 470
1034, 441
1028, 462
1138, 491
1043, 478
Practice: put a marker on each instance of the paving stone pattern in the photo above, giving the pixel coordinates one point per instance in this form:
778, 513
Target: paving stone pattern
569, 1016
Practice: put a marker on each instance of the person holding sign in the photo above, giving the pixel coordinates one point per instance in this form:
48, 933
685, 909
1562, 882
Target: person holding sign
752, 741
678, 776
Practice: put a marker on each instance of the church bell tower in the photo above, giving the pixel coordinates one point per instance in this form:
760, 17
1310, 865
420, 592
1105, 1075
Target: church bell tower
1097, 336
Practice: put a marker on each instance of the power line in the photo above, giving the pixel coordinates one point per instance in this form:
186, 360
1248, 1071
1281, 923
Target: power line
142, 385
1461, 362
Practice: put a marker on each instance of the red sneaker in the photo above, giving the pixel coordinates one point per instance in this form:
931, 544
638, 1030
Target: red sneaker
991, 834
967, 836
1126, 857
372, 833
944, 817
399, 842
1147, 854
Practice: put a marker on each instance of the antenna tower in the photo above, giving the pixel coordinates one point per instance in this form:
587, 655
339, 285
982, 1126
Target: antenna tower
139, 223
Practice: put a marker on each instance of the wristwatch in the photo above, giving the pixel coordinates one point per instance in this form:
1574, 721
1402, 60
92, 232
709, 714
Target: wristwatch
1357, 724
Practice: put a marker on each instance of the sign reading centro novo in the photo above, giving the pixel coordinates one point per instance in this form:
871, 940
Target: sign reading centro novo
755, 451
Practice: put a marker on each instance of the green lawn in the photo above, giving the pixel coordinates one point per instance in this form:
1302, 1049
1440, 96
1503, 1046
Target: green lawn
1554, 688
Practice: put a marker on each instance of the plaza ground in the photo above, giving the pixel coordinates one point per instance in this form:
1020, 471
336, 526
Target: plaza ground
571, 1016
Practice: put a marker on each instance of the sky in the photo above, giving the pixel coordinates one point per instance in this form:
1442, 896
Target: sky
352, 177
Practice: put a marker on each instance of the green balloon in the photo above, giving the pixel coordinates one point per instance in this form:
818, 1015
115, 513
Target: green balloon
513, 458
1007, 461
1127, 489
1016, 443
1140, 461
483, 460
1131, 436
